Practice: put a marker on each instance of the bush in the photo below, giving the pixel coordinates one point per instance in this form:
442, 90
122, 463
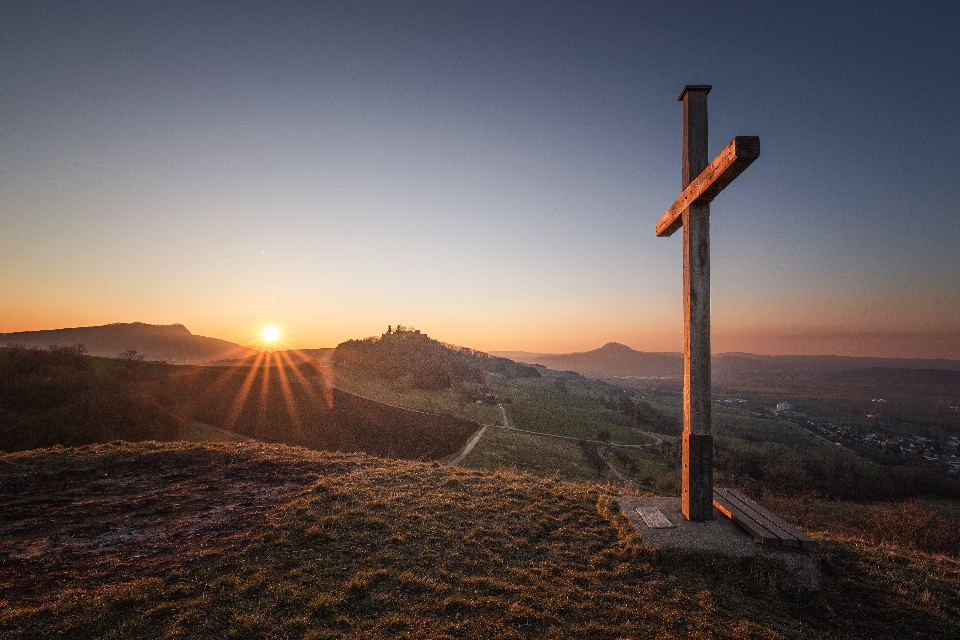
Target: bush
592, 454
912, 525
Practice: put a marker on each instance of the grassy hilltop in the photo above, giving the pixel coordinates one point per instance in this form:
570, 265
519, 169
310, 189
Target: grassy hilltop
248, 540
412, 359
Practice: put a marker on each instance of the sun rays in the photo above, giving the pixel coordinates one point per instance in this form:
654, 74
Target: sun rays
274, 388
287, 381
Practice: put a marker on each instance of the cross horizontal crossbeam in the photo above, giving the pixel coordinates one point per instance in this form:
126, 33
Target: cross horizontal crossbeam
737, 156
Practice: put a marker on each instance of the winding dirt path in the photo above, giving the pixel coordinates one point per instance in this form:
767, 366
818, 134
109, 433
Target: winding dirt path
506, 419
613, 469
470, 445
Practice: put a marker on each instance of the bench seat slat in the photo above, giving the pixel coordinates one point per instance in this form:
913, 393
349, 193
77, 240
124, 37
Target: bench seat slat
756, 512
758, 531
805, 541
765, 526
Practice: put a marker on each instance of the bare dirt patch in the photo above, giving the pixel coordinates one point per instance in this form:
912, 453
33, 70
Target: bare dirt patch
82, 518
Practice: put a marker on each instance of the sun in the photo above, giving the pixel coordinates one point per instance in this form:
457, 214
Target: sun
270, 334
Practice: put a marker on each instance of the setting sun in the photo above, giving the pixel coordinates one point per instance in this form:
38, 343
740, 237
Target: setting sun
270, 334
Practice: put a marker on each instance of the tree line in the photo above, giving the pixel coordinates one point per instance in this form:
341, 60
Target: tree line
57, 396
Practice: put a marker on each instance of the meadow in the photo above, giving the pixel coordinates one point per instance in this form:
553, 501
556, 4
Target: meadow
573, 411
352, 546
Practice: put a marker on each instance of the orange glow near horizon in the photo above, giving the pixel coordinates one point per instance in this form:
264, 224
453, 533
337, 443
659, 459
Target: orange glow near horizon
537, 334
574, 338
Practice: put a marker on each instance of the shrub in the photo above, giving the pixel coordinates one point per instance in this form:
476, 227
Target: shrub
913, 525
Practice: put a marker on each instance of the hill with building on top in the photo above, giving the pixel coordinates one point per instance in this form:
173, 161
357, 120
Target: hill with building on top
410, 357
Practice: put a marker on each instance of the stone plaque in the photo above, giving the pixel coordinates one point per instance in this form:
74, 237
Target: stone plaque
654, 518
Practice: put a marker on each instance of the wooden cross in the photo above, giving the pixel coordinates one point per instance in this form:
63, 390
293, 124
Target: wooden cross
701, 184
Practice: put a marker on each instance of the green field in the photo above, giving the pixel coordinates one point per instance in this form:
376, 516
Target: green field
534, 405
539, 406
575, 411
657, 469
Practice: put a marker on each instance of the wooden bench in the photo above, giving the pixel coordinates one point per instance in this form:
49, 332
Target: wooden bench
766, 527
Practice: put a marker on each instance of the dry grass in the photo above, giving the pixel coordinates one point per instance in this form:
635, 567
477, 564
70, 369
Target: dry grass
199, 432
362, 547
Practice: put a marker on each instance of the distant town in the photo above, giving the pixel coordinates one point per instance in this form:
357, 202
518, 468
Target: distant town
940, 453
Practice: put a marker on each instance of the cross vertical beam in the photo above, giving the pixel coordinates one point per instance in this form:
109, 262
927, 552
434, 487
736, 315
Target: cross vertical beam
702, 182
697, 496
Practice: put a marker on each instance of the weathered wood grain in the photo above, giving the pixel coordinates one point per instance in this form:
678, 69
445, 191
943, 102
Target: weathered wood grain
730, 163
697, 477
802, 538
759, 515
757, 531
701, 182
765, 526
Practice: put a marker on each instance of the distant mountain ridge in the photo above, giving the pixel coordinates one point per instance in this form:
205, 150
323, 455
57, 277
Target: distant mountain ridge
611, 360
617, 360
171, 342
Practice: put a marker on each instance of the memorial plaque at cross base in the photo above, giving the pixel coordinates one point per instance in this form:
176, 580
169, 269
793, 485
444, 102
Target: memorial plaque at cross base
702, 182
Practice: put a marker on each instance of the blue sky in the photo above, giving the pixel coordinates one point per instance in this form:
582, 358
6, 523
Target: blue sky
488, 172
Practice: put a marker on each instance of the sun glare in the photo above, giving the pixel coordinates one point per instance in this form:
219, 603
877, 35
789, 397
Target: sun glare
270, 334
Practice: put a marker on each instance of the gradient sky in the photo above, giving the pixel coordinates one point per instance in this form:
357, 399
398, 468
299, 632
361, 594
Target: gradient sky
490, 173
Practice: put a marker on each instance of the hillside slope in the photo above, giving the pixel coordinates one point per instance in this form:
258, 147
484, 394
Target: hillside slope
172, 342
61, 396
413, 359
239, 540
64, 397
297, 406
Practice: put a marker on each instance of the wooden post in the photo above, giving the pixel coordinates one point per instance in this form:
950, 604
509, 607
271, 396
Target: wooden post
701, 184
697, 497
